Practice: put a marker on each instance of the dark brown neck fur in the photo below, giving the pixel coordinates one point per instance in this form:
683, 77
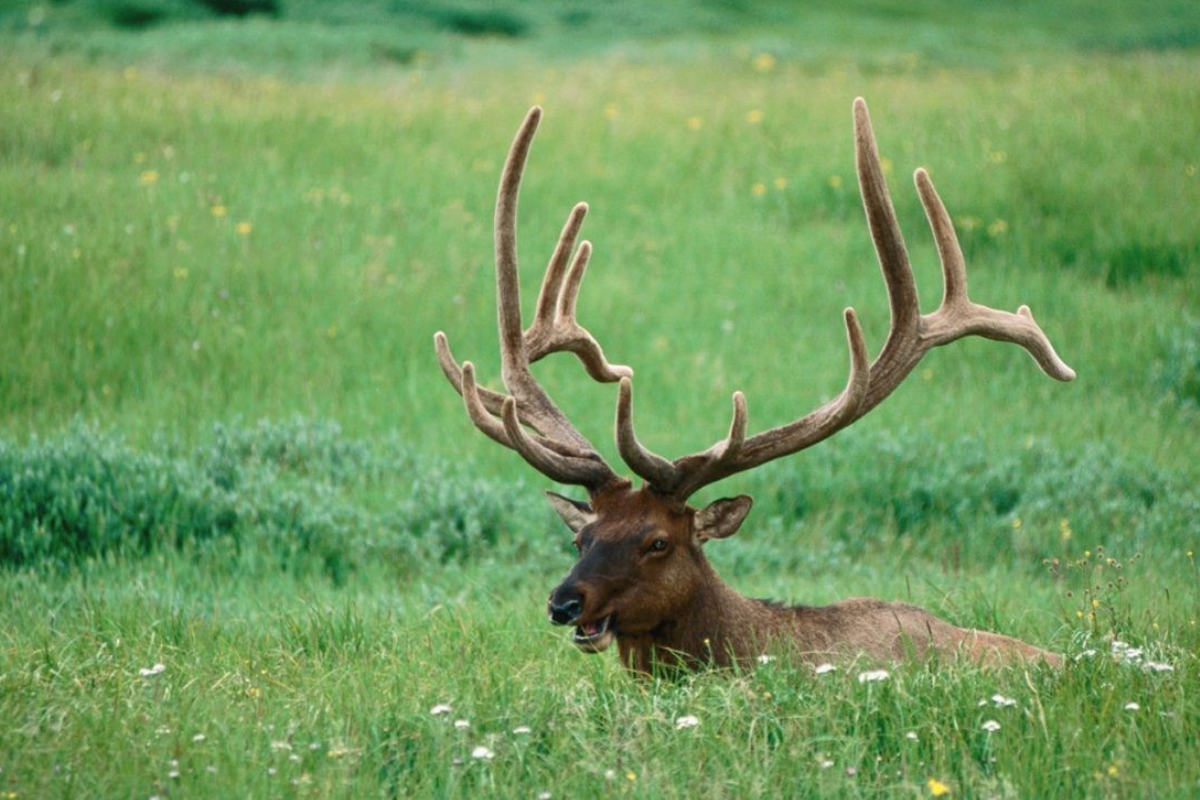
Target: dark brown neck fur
722, 628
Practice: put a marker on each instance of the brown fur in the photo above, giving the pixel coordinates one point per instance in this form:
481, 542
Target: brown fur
673, 610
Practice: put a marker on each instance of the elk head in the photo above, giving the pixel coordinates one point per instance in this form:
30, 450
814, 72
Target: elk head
642, 576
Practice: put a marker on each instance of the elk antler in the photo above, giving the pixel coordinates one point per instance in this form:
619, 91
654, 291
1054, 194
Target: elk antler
557, 449
911, 336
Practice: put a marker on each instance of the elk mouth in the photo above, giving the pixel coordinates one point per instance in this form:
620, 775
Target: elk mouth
592, 637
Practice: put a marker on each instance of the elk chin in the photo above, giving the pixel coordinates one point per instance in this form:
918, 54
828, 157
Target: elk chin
594, 637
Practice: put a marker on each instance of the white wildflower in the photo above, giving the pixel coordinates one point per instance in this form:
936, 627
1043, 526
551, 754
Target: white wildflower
440, 709
991, 726
482, 753
1089, 653
765, 659
1132, 707
199, 737
461, 724
821, 669
911, 735
1157, 666
522, 730
1001, 701
150, 672
687, 721
873, 676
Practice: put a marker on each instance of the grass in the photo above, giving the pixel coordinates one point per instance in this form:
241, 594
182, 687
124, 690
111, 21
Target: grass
225, 245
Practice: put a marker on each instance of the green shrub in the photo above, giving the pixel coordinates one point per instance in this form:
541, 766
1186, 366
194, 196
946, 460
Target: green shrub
1025, 502
299, 495
83, 494
296, 492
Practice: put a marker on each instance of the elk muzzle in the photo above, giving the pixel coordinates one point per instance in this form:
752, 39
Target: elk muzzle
566, 607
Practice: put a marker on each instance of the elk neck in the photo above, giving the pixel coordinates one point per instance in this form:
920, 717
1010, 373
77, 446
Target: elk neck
718, 627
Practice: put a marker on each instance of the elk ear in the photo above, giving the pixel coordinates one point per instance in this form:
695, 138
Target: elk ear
722, 517
573, 512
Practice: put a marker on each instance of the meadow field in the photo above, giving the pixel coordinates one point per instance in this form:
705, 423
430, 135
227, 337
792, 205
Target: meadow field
251, 545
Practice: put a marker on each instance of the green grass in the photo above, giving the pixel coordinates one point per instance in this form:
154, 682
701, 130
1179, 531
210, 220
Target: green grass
226, 447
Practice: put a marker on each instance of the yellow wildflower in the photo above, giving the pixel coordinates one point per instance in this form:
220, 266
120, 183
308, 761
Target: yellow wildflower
148, 177
937, 788
219, 211
764, 62
754, 117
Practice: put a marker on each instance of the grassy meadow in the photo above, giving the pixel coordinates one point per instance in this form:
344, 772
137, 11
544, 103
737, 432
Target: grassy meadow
250, 544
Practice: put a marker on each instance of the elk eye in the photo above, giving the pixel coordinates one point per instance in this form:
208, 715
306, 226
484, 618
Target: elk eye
658, 545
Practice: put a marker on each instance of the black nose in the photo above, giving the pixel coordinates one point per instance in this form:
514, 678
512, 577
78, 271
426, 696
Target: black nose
565, 610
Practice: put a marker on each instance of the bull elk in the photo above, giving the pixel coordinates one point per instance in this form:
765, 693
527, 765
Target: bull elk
642, 579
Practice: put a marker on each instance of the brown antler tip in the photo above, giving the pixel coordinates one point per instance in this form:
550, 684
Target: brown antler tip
1044, 354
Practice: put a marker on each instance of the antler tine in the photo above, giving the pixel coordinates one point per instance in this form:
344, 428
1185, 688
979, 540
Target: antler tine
960, 315
885, 228
554, 328
650, 467
492, 401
